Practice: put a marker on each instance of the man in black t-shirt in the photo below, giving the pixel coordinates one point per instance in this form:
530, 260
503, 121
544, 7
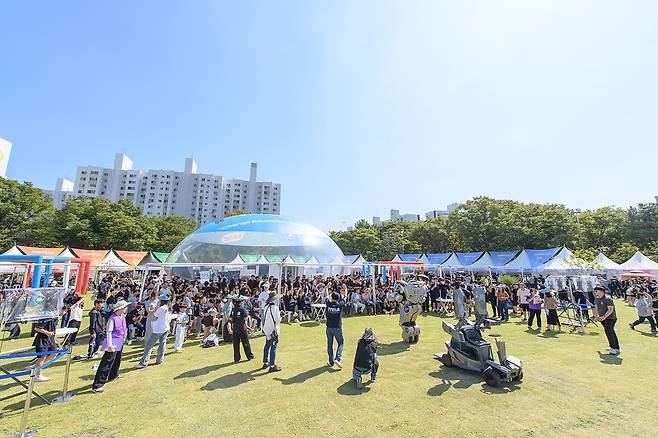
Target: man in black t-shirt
334, 329
604, 311
238, 329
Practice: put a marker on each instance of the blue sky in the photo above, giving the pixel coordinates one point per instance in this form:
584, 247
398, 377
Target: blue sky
354, 107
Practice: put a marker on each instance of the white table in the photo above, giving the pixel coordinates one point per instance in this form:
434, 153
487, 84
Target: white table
319, 312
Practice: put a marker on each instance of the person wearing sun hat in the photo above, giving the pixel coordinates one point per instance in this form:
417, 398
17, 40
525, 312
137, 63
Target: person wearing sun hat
116, 332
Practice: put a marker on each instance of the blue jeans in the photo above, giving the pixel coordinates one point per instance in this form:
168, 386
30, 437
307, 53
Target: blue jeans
503, 311
331, 334
270, 346
161, 338
358, 372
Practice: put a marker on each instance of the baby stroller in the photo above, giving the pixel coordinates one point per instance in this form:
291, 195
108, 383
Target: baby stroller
468, 350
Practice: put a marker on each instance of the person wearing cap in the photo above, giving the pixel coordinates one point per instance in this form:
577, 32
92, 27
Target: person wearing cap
604, 311
237, 328
271, 325
116, 332
160, 330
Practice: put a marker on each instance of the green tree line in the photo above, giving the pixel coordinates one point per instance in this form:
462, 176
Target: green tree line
490, 224
27, 217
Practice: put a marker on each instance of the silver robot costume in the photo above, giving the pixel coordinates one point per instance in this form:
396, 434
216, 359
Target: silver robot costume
410, 292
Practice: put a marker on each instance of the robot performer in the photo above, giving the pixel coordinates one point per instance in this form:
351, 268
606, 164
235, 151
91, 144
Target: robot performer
410, 294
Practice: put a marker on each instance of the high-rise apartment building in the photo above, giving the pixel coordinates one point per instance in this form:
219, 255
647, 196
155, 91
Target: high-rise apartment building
198, 196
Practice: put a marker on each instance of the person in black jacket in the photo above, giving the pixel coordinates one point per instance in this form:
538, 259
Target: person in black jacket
96, 328
365, 360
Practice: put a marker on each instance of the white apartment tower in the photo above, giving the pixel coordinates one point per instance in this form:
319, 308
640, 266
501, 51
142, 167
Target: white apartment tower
201, 197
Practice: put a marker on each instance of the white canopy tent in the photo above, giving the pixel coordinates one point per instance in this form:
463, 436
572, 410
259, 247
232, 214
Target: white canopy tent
640, 262
604, 264
112, 262
521, 263
13, 251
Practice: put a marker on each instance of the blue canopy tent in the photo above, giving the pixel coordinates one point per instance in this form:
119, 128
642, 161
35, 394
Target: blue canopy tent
529, 259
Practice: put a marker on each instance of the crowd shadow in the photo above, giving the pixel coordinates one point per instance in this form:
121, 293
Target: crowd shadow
306, 375
393, 348
452, 378
202, 371
609, 359
233, 380
349, 388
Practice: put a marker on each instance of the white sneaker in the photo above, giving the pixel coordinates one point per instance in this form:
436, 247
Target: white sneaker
94, 368
338, 364
329, 365
41, 378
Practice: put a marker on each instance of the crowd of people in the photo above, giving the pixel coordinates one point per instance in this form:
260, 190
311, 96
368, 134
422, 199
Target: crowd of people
232, 310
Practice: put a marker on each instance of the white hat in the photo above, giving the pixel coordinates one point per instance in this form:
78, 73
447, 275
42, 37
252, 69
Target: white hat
120, 305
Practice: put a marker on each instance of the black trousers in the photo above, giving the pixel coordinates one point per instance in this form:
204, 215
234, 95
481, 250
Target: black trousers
74, 324
108, 369
244, 338
609, 327
641, 319
534, 313
494, 306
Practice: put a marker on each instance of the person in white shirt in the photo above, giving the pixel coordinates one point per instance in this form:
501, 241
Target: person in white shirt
160, 330
271, 324
522, 298
182, 319
263, 296
75, 318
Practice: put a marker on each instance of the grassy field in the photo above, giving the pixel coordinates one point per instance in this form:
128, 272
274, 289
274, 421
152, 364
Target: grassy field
570, 388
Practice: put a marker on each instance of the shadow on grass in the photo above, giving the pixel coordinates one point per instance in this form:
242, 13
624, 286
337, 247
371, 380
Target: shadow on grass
551, 334
393, 348
202, 371
348, 388
610, 359
452, 378
309, 324
306, 375
505, 389
36, 402
233, 380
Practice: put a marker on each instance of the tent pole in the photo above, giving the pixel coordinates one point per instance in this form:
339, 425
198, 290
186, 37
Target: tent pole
278, 283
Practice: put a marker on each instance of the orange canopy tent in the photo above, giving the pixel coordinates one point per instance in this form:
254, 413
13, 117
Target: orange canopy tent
95, 256
33, 250
131, 257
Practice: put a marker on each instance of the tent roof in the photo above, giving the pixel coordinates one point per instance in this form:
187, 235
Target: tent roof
531, 258
132, 257
606, 264
406, 257
483, 263
357, 259
452, 262
13, 251
639, 262
501, 258
437, 258
112, 262
95, 256
34, 250
67, 253
468, 258
161, 256
148, 258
